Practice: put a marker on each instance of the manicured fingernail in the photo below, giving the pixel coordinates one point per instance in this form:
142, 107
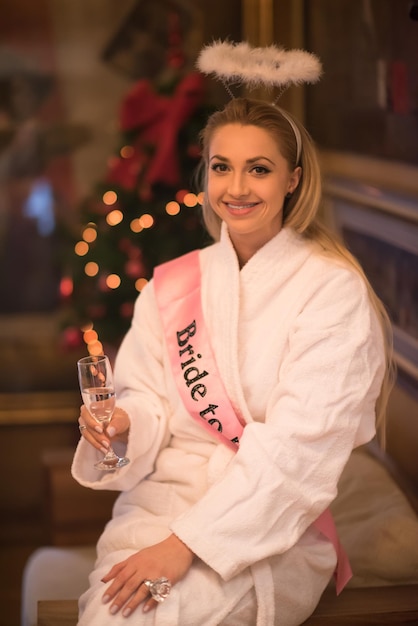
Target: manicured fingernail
105, 599
98, 429
114, 609
127, 612
104, 450
146, 608
105, 443
111, 431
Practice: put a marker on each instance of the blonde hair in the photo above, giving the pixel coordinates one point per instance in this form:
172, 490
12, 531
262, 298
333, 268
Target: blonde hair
300, 211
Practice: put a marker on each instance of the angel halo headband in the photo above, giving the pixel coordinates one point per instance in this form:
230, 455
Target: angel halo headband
239, 63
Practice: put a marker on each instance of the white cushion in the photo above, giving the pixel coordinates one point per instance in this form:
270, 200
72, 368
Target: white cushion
376, 524
54, 574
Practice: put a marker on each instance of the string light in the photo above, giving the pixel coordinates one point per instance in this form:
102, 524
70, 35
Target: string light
109, 198
126, 152
114, 217
96, 348
90, 336
113, 281
81, 248
89, 234
146, 220
135, 226
190, 200
172, 208
91, 268
91, 339
140, 284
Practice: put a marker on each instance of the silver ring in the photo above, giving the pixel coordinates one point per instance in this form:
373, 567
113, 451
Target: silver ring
159, 588
82, 427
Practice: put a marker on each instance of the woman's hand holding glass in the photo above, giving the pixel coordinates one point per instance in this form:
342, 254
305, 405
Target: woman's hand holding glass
97, 389
99, 437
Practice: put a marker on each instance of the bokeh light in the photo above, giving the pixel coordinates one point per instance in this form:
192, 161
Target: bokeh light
91, 268
114, 217
113, 281
140, 284
190, 200
146, 220
66, 286
95, 348
81, 248
172, 208
136, 226
89, 234
126, 152
90, 336
109, 198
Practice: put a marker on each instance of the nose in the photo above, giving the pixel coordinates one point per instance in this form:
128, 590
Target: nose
238, 185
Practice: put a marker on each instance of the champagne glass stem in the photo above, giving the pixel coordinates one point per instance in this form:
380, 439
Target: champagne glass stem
110, 458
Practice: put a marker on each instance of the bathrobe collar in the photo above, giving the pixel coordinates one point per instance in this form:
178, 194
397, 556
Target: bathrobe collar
282, 255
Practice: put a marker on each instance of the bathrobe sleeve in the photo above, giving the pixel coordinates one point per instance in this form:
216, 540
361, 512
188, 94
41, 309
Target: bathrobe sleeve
140, 391
286, 470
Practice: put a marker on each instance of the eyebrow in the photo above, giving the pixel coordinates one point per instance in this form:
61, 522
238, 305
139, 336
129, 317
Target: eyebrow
249, 161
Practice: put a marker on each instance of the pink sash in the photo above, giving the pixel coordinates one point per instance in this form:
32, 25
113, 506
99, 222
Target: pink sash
178, 292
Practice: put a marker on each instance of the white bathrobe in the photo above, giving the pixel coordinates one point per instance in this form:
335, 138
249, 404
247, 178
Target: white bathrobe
300, 353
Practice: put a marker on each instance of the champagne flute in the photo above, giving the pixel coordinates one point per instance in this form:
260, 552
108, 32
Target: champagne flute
98, 392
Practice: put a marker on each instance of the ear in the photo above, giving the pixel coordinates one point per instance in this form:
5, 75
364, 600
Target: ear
294, 179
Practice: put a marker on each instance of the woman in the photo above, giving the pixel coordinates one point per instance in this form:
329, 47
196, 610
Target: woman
299, 340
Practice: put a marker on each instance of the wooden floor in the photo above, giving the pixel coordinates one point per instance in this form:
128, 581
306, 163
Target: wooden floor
19, 537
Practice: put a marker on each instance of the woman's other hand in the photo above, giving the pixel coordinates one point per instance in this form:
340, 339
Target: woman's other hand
170, 558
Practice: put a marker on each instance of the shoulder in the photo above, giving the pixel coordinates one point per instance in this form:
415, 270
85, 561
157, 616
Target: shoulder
326, 270
331, 288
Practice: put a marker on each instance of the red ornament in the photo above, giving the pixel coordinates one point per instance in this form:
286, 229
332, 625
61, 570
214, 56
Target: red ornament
71, 338
125, 171
135, 252
125, 245
96, 311
126, 309
134, 268
102, 283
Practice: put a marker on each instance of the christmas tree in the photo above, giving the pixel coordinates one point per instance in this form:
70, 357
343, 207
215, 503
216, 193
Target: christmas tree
144, 212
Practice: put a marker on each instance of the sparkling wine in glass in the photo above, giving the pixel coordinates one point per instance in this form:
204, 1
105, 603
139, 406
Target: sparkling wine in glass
98, 392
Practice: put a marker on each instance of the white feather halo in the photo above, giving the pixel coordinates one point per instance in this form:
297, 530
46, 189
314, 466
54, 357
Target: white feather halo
238, 63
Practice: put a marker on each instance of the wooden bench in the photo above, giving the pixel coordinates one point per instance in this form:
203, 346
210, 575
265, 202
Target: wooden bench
378, 606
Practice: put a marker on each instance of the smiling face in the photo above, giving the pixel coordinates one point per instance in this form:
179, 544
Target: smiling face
248, 179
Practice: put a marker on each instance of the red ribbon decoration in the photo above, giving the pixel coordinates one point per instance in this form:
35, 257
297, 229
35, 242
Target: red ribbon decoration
158, 120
